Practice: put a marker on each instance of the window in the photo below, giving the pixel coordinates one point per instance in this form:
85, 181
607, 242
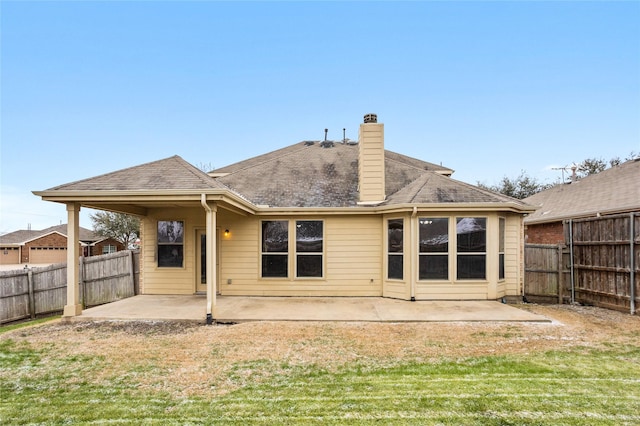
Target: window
434, 248
109, 248
395, 243
275, 248
170, 243
309, 248
502, 224
471, 236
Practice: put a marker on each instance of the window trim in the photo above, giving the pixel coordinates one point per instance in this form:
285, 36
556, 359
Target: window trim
180, 243
484, 253
447, 253
399, 254
267, 253
315, 254
108, 247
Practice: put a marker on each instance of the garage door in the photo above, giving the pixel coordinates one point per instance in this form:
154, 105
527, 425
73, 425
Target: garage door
9, 256
48, 255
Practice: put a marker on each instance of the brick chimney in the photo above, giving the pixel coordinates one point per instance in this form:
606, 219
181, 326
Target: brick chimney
371, 161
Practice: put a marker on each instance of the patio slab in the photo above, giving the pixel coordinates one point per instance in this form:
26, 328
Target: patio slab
235, 309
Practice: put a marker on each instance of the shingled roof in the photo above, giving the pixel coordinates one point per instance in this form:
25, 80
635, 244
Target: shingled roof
614, 190
171, 173
25, 235
302, 175
310, 175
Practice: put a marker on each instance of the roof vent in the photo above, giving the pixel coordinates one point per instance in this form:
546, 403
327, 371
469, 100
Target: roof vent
371, 118
326, 143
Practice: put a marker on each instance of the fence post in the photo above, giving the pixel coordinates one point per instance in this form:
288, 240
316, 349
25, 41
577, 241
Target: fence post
573, 283
632, 264
32, 297
83, 282
560, 275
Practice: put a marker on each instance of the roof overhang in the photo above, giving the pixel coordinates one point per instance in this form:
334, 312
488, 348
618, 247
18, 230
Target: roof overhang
397, 208
140, 202
582, 215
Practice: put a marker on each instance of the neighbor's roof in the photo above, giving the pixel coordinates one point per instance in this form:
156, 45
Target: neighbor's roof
615, 190
25, 235
309, 175
171, 173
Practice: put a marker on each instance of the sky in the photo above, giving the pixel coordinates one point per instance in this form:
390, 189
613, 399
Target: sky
489, 89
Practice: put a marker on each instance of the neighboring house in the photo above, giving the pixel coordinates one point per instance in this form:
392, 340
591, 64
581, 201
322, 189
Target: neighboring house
312, 219
50, 245
612, 191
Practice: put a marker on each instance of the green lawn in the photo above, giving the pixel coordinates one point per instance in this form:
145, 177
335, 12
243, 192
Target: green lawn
574, 387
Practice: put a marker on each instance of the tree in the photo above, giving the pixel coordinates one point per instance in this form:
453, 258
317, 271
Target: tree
521, 187
591, 166
121, 227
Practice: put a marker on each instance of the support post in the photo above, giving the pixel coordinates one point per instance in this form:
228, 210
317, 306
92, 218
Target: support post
212, 211
73, 307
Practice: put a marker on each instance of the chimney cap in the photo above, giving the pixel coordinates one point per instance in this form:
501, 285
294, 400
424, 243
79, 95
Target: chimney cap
370, 118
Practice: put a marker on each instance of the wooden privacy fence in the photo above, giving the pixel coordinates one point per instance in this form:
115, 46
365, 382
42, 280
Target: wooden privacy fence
27, 293
599, 264
544, 273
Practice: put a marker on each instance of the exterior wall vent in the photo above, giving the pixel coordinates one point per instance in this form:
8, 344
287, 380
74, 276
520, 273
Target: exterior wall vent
371, 118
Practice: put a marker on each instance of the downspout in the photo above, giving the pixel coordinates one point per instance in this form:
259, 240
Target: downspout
414, 275
632, 264
573, 287
209, 263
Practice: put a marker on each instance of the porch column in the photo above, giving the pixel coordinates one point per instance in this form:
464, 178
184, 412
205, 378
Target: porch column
73, 306
212, 213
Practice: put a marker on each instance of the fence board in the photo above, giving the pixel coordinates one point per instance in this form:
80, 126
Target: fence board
30, 292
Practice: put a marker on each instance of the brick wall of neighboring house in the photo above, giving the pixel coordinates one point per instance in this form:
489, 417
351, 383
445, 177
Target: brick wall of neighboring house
96, 250
545, 233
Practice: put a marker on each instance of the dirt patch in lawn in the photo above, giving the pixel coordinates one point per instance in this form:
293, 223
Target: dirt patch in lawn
186, 359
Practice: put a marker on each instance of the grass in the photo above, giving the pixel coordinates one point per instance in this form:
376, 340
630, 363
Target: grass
30, 323
572, 387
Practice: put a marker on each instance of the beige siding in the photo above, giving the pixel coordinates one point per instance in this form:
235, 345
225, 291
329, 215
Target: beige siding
371, 162
170, 280
354, 258
513, 256
352, 254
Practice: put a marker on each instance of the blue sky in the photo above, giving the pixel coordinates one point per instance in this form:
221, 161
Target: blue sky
486, 88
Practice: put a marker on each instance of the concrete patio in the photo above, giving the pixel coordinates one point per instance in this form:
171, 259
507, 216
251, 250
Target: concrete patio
235, 309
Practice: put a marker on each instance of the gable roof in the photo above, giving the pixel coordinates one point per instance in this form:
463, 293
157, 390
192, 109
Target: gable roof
23, 236
615, 190
171, 173
308, 175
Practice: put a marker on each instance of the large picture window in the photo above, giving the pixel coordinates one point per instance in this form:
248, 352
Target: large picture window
434, 248
309, 248
395, 249
471, 247
170, 243
275, 248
